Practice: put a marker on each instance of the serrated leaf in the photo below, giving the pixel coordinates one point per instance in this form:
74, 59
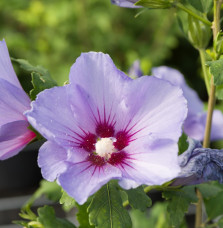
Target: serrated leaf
209, 190
203, 6
83, 216
67, 201
40, 83
41, 78
213, 206
48, 219
106, 210
179, 203
138, 198
216, 69
24, 64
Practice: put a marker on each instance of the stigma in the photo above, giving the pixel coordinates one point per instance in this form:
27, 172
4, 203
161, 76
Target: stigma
104, 147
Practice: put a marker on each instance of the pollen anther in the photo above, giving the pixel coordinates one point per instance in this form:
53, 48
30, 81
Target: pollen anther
104, 147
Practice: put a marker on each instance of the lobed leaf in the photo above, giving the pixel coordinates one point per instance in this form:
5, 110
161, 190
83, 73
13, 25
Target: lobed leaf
48, 219
138, 199
216, 69
106, 210
41, 78
209, 190
67, 201
40, 83
213, 200
179, 203
83, 216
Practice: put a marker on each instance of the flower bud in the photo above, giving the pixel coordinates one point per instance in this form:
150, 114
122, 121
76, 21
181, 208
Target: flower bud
198, 33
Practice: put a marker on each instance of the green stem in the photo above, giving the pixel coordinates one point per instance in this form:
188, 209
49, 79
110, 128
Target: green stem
204, 69
198, 218
211, 104
182, 7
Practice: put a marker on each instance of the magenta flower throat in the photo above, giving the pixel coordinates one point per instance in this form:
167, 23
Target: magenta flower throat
104, 126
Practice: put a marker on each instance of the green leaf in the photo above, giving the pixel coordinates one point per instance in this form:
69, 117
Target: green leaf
41, 78
155, 4
138, 198
182, 143
179, 203
203, 6
67, 201
50, 189
21, 222
40, 83
83, 216
155, 218
213, 205
48, 219
219, 92
216, 69
24, 64
106, 210
209, 190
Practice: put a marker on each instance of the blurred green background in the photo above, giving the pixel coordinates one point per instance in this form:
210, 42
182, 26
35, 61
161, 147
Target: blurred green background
53, 33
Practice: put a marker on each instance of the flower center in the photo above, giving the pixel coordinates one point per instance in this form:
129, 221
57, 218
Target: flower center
104, 147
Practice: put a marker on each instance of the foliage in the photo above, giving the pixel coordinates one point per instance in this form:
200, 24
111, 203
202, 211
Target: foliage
41, 78
54, 33
45, 219
138, 199
106, 209
179, 203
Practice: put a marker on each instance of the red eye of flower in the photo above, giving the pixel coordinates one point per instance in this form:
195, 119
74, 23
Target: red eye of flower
104, 130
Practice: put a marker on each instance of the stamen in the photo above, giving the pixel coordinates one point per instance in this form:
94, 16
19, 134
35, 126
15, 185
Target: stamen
104, 147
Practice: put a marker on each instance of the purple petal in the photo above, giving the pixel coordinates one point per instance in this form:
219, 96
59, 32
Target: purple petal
154, 164
12, 130
13, 102
158, 109
52, 116
6, 69
52, 160
98, 85
82, 180
169, 74
194, 125
217, 125
176, 78
128, 184
195, 122
12, 147
125, 3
